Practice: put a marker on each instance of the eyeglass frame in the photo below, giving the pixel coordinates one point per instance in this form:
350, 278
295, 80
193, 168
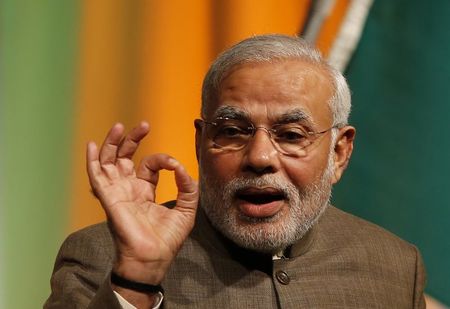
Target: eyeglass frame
270, 131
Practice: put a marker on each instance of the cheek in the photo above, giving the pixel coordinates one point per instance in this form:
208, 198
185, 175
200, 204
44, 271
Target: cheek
300, 173
223, 166
305, 171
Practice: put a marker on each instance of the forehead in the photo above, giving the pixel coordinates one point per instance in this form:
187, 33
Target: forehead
267, 90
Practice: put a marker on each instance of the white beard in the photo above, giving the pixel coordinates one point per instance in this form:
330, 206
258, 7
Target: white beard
272, 234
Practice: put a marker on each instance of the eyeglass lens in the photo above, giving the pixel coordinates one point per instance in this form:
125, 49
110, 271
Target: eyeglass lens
234, 134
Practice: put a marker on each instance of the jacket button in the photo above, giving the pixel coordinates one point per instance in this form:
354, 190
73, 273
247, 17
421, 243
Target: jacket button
282, 277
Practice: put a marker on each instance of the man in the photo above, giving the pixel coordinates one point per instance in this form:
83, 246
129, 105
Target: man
272, 141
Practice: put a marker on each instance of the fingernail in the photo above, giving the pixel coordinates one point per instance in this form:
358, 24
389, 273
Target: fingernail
172, 161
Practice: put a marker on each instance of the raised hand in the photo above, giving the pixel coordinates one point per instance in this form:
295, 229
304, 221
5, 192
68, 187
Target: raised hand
147, 235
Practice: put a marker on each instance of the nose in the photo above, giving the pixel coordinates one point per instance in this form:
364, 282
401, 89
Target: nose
261, 156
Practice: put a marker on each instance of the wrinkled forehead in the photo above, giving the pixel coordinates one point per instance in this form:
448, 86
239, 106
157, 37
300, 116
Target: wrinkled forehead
290, 87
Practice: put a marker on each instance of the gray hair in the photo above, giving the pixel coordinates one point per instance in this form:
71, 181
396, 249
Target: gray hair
272, 48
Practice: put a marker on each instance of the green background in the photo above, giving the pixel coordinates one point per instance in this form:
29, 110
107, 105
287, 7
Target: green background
399, 173
37, 72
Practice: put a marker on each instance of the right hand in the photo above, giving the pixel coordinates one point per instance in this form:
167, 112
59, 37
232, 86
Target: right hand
147, 235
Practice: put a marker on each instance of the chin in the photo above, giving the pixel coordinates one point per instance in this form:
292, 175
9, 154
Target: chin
287, 212
266, 235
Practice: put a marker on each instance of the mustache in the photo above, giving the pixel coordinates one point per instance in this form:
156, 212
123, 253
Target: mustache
265, 181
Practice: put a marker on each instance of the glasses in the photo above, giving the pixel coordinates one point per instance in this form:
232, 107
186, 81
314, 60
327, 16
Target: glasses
234, 134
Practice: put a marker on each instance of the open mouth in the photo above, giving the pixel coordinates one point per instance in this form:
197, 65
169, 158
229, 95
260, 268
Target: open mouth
260, 196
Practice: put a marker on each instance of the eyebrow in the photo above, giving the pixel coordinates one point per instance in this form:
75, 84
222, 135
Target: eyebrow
231, 112
295, 115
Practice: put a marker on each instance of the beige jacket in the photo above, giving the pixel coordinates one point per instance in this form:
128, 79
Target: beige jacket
343, 262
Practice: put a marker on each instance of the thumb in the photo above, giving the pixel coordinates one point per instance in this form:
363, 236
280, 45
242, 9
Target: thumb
187, 198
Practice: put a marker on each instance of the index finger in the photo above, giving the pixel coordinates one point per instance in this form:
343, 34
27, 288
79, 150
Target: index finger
149, 168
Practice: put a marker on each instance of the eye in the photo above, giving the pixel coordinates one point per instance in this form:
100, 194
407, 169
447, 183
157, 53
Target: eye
290, 134
232, 129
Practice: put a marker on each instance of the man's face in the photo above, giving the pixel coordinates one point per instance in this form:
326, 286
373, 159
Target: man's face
258, 197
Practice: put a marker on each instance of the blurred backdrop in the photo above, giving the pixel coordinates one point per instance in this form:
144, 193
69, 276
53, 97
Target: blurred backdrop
70, 69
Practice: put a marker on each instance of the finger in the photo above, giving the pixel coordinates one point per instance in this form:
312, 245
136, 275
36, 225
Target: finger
151, 165
94, 170
131, 142
92, 163
125, 167
187, 198
149, 168
108, 151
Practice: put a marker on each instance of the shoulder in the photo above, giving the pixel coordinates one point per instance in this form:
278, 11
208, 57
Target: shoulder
99, 231
83, 262
343, 232
93, 244
353, 228
371, 255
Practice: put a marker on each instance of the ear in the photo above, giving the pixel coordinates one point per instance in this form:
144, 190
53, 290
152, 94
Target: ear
198, 136
343, 151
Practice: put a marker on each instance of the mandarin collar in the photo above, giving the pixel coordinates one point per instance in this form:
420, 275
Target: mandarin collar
204, 232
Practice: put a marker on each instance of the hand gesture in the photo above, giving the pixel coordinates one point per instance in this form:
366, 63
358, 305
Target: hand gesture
147, 235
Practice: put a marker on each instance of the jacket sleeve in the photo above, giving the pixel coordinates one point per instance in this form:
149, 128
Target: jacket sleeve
81, 275
419, 285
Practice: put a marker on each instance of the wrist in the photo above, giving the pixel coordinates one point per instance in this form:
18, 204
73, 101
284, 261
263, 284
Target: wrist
147, 273
141, 287
132, 299
137, 294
